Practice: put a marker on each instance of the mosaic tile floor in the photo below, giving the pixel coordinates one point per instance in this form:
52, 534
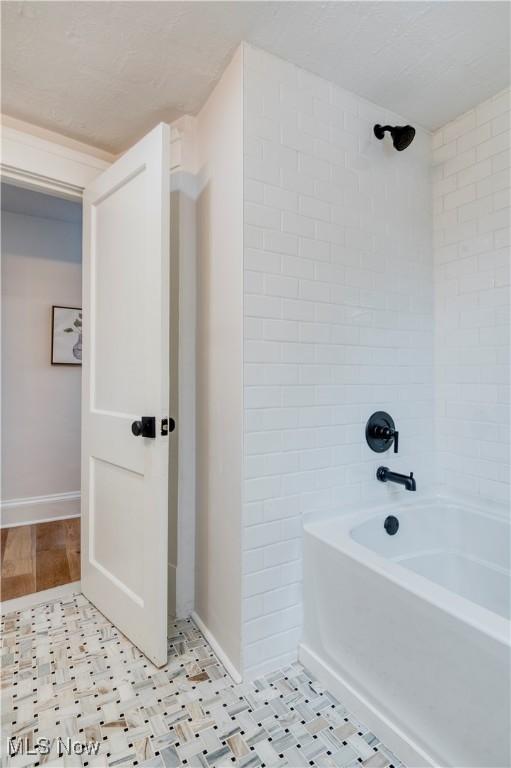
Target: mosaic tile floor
69, 674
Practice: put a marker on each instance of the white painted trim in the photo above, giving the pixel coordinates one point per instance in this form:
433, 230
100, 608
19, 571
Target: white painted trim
183, 142
30, 180
217, 648
50, 498
183, 239
405, 747
56, 138
40, 598
39, 509
53, 164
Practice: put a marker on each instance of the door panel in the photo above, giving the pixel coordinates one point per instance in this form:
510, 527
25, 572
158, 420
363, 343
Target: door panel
125, 377
114, 537
116, 262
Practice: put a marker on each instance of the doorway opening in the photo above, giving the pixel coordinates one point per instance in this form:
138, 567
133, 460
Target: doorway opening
127, 478
41, 390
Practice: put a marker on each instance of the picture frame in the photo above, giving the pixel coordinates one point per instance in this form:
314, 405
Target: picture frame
66, 335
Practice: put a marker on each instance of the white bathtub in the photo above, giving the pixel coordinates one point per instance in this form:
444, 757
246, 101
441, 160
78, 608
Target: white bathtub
412, 631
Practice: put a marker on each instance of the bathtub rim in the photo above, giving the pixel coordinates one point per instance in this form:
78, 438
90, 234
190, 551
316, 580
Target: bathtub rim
482, 619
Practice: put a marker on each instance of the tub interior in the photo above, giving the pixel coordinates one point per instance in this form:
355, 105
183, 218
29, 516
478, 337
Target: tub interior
475, 580
462, 550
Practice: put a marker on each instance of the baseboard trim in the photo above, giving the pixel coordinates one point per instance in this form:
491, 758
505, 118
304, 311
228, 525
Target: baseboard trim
405, 748
217, 648
39, 598
39, 509
49, 498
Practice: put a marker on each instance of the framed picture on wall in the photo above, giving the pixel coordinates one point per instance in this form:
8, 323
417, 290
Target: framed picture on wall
66, 335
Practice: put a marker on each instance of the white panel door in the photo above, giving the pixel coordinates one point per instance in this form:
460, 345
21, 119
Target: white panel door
126, 377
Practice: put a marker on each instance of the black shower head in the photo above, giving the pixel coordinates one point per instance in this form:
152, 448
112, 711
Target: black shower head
402, 135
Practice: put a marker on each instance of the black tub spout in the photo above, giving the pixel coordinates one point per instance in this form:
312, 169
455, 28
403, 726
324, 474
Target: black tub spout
386, 476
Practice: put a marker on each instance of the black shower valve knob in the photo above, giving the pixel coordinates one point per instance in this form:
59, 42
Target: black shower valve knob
387, 433
381, 432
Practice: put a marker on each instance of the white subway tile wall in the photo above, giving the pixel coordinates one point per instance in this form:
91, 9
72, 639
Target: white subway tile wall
338, 310
471, 191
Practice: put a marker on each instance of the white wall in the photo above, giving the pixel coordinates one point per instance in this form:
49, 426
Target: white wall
471, 220
41, 266
338, 323
219, 362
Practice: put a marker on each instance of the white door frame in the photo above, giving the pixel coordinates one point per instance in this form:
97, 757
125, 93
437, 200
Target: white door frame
48, 162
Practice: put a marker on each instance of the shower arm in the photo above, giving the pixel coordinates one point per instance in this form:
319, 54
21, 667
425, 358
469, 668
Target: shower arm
379, 130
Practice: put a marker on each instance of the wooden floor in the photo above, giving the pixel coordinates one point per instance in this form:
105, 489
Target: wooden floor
37, 557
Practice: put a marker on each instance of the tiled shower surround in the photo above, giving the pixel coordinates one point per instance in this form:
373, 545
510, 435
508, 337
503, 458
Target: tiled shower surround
338, 311
472, 219
67, 673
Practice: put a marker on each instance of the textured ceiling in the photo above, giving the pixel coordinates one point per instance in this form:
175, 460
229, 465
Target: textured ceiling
106, 72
